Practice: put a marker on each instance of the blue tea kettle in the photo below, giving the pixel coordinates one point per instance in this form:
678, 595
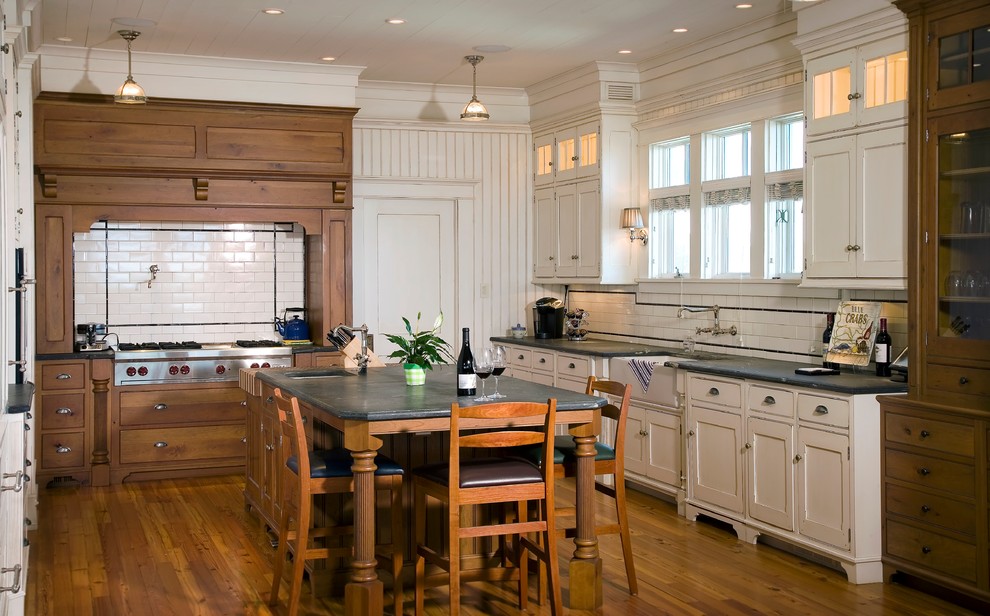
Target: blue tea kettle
294, 329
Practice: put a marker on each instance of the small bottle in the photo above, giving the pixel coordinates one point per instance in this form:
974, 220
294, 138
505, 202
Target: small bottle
826, 338
467, 380
882, 346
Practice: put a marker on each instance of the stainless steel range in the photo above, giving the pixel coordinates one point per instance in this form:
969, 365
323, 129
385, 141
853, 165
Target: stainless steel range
191, 362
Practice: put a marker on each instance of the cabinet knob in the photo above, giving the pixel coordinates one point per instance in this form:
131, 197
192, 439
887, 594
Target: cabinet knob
161, 444
690, 432
821, 409
713, 391
644, 433
574, 257
856, 247
63, 449
963, 380
571, 366
270, 399
798, 458
63, 411
925, 434
769, 401
748, 445
853, 96
161, 406
244, 439
550, 258
925, 549
925, 509
924, 472
244, 403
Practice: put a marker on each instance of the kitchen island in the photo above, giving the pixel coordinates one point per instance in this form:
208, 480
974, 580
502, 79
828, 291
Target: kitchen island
363, 407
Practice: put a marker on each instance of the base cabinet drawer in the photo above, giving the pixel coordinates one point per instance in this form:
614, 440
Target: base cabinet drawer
933, 509
932, 550
181, 444
959, 380
63, 450
182, 407
931, 472
63, 376
63, 411
933, 434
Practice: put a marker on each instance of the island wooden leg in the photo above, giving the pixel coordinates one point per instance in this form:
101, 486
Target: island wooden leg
363, 592
585, 569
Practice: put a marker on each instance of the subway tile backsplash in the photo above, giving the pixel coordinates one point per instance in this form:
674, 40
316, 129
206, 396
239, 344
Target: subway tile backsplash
778, 321
216, 282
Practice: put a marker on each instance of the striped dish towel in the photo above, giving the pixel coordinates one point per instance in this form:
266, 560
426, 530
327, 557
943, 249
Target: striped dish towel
643, 371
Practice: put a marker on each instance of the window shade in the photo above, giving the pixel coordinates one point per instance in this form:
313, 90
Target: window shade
727, 196
677, 202
785, 190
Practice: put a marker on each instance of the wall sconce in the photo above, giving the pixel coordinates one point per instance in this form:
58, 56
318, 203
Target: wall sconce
130, 92
632, 219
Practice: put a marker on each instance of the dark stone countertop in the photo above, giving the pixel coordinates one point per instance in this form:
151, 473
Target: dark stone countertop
381, 394
108, 354
19, 398
860, 380
602, 348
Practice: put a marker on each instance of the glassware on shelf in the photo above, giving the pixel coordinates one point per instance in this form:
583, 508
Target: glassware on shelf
954, 284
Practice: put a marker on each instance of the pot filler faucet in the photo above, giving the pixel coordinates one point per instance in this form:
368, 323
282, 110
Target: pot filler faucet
361, 358
716, 330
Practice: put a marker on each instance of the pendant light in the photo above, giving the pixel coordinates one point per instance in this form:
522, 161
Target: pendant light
130, 92
474, 111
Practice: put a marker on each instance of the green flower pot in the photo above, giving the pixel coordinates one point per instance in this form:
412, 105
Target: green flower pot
415, 374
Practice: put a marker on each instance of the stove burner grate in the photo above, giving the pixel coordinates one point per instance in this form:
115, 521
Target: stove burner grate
158, 346
252, 344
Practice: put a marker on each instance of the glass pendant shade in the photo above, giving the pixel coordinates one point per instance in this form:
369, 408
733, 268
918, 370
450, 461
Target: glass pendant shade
474, 111
130, 93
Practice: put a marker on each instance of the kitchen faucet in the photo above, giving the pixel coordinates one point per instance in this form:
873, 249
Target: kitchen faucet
714, 330
362, 359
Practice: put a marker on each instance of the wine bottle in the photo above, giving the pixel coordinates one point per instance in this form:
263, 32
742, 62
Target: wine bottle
882, 347
467, 380
826, 338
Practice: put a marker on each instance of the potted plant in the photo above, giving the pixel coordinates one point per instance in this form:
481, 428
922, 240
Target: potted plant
419, 350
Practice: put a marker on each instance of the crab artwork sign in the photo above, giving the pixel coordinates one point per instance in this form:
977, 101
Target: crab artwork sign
854, 333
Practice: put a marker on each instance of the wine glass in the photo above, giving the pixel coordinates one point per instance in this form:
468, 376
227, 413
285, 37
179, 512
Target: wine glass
498, 367
483, 368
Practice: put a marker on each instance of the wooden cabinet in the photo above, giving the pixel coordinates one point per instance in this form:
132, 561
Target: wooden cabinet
796, 464
935, 460
161, 432
64, 425
584, 177
856, 152
264, 456
53, 299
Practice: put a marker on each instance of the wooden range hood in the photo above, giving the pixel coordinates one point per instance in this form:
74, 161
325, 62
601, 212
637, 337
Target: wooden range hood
186, 160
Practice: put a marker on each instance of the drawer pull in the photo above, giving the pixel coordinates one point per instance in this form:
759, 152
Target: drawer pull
571, 366
63, 377
161, 406
963, 380
713, 391
769, 401
924, 472
270, 399
244, 439
925, 509
161, 445
270, 447
821, 409
16, 587
926, 550
63, 410
644, 433
521, 357
925, 434
63, 449
18, 477
543, 360
244, 403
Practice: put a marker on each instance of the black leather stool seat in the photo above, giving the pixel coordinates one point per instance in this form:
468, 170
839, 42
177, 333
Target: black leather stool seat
326, 463
484, 472
563, 449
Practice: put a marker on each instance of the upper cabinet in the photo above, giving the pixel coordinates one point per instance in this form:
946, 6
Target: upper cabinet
857, 87
583, 178
958, 59
855, 200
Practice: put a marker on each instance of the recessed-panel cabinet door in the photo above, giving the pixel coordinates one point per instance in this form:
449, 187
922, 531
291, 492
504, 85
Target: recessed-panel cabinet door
770, 472
823, 486
664, 448
715, 441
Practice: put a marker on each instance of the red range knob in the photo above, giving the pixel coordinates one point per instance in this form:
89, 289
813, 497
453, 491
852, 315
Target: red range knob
184, 369
131, 371
143, 371
266, 365
255, 365
221, 369
173, 369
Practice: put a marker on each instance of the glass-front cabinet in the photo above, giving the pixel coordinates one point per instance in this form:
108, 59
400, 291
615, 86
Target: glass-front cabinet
961, 198
959, 59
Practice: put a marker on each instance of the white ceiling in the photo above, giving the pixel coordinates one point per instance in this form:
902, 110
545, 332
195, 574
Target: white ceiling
546, 37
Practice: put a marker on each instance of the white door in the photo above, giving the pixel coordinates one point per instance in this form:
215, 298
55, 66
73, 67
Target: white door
410, 244
715, 459
823, 486
882, 159
664, 449
770, 472
830, 208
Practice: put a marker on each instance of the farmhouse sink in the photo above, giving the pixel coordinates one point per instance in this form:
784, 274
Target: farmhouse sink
662, 387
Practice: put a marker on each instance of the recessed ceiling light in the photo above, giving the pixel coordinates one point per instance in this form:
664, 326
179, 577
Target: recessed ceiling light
328, 58
272, 11
64, 39
625, 51
395, 21
744, 6
680, 30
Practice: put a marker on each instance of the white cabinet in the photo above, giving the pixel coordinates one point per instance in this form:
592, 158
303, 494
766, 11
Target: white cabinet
857, 87
855, 210
806, 470
531, 365
13, 532
584, 176
653, 453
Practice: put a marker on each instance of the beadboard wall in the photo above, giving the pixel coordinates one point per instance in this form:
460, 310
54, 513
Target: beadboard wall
215, 282
775, 320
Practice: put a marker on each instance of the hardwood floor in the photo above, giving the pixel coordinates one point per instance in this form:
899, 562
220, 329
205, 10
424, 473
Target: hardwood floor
188, 547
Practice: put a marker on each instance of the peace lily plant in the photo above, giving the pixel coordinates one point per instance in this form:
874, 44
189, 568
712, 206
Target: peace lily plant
420, 349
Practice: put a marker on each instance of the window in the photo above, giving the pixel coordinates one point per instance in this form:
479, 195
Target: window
726, 153
726, 218
783, 214
670, 208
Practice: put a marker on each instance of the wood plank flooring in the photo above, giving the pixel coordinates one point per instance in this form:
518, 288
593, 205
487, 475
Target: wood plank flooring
188, 547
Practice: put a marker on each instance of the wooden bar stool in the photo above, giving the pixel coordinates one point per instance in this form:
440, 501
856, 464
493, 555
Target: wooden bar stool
308, 473
490, 480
